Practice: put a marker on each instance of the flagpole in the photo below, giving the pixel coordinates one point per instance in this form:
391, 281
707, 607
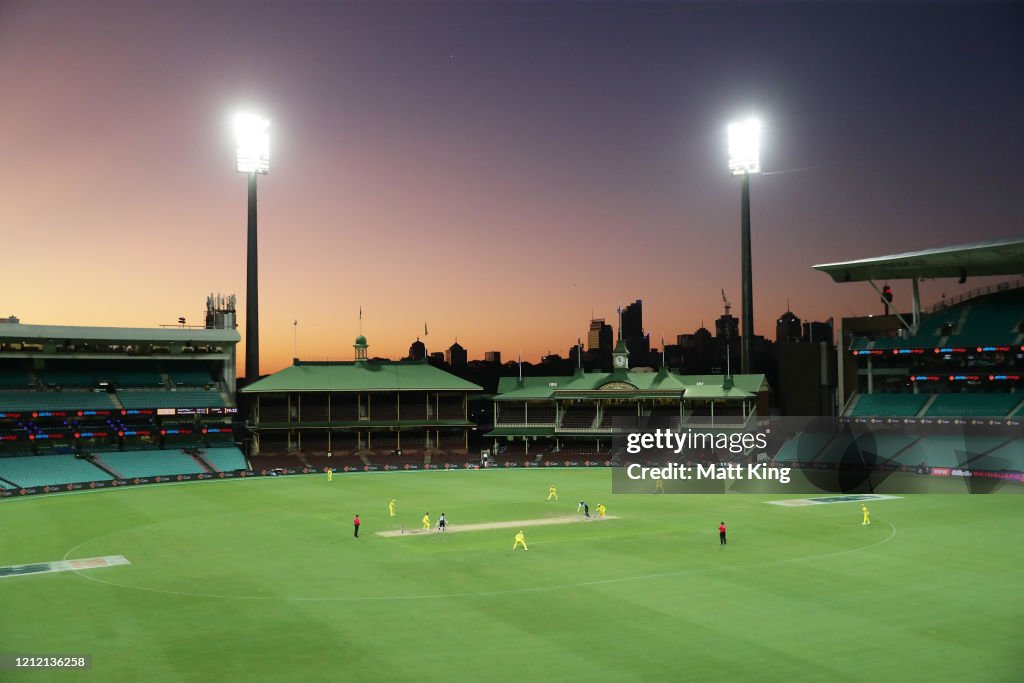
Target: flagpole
295, 342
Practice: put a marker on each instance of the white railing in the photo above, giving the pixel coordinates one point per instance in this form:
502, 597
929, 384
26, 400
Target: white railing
974, 293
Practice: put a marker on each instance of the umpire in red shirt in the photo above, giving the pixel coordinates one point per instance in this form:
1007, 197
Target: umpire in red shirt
721, 533
355, 523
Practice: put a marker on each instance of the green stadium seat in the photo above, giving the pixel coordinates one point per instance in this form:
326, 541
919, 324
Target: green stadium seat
150, 463
804, 447
25, 401
947, 451
973, 405
888, 405
171, 399
1007, 457
49, 470
225, 459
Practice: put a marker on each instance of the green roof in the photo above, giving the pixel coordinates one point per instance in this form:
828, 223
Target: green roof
715, 391
361, 376
621, 383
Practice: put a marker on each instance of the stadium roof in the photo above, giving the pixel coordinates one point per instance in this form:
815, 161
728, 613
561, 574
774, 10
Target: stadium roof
123, 334
627, 384
361, 376
993, 257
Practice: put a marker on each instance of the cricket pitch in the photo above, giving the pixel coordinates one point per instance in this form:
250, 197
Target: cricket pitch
455, 528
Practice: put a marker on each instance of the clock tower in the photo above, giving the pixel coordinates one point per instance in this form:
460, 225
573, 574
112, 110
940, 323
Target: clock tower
620, 356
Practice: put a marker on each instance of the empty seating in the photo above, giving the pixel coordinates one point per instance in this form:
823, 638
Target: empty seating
511, 413
616, 416
49, 470
171, 399
189, 375
579, 417
449, 409
225, 459
313, 408
540, 414
948, 451
1009, 456
24, 401
973, 405
15, 378
888, 405
413, 408
804, 447
151, 463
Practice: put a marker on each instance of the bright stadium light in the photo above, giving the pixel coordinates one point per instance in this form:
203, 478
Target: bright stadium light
745, 147
253, 159
253, 143
745, 161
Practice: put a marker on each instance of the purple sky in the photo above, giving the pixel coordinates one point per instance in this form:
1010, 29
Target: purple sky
498, 170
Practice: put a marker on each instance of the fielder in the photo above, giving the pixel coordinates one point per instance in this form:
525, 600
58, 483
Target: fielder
391, 507
520, 539
659, 486
600, 510
552, 491
330, 474
426, 522
867, 515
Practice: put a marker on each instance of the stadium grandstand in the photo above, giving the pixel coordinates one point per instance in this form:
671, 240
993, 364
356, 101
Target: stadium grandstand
579, 415
94, 404
360, 414
944, 383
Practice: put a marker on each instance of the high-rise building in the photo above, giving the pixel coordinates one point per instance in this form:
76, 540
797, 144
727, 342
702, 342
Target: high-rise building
493, 357
787, 328
455, 356
727, 329
600, 337
638, 343
818, 331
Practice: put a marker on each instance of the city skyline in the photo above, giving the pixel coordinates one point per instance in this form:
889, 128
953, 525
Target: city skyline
501, 173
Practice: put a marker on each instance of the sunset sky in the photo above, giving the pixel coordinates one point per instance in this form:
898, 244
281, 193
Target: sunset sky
497, 170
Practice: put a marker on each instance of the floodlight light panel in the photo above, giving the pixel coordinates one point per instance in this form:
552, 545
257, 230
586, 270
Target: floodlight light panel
745, 147
253, 143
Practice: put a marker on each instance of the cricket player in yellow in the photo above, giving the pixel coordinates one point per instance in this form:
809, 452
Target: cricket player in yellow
659, 486
330, 474
391, 507
867, 515
552, 491
426, 522
520, 539
600, 510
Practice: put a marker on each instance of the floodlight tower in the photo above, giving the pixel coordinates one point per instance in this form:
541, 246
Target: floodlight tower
745, 160
253, 158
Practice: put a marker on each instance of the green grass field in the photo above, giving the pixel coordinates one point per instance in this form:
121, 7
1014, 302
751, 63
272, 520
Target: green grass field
261, 580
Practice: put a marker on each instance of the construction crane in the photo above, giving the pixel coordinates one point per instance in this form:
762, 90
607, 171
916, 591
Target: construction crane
728, 306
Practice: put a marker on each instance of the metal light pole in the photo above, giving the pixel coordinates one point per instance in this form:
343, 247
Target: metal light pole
745, 160
253, 159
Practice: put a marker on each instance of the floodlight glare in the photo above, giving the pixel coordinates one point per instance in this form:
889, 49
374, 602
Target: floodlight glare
745, 147
253, 142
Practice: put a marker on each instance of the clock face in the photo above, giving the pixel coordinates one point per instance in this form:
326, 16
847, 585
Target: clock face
620, 361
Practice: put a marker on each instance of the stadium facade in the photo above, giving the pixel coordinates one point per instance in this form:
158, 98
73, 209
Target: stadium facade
360, 413
101, 404
582, 413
